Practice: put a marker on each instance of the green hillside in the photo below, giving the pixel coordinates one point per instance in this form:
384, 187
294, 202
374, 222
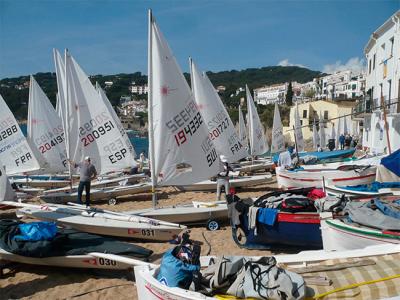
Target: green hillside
15, 90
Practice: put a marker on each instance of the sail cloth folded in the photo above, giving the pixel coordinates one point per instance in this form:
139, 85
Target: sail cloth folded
245, 277
362, 213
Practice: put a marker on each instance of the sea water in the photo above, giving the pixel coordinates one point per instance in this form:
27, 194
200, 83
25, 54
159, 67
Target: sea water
141, 144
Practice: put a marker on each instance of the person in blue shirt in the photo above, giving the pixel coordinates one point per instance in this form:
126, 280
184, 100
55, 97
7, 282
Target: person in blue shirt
341, 141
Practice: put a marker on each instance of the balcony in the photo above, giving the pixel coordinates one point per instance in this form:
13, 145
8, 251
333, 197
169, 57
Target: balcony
367, 106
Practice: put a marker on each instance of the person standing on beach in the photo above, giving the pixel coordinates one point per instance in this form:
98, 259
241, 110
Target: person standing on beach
87, 173
341, 141
223, 178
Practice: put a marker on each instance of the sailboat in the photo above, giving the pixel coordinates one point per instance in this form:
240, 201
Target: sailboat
316, 140
16, 154
221, 131
99, 134
219, 124
181, 151
45, 134
258, 144
278, 140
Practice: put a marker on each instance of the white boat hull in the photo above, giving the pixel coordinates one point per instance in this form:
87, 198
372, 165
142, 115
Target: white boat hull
314, 177
243, 181
186, 214
104, 226
149, 288
129, 179
97, 194
70, 261
337, 236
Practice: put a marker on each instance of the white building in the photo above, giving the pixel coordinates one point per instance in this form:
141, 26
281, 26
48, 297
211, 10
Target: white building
139, 89
340, 85
276, 93
383, 62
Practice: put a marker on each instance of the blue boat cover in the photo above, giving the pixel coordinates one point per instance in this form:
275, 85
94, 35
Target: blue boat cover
267, 215
387, 210
322, 155
36, 231
391, 162
373, 187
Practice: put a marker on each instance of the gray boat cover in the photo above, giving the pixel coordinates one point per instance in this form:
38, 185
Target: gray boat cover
245, 277
368, 214
68, 242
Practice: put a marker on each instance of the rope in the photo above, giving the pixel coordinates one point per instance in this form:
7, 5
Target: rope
354, 285
97, 290
209, 245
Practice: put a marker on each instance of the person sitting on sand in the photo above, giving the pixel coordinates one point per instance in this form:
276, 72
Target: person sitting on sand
87, 173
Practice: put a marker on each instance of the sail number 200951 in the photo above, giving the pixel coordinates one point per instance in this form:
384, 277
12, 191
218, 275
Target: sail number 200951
96, 133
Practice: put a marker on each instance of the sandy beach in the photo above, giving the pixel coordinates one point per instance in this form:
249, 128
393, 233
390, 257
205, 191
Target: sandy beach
37, 282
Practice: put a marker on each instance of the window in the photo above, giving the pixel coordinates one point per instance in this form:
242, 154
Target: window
353, 87
390, 90
304, 114
391, 46
301, 122
325, 115
373, 62
369, 67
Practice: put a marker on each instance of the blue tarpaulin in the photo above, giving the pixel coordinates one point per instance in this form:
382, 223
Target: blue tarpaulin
36, 231
267, 215
322, 155
373, 187
392, 162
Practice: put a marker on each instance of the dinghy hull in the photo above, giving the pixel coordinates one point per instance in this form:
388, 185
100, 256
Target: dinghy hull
337, 235
87, 222
314, 177
243, 181
290, 229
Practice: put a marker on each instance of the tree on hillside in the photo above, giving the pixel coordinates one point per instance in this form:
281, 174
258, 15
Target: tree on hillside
289, 95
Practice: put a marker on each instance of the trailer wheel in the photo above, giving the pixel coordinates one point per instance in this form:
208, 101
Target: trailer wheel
212, 225
240, 236
112, 201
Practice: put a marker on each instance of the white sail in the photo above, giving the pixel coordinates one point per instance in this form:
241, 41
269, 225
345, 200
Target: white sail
242, 129
316, 140
117, 120
6, 191
333, 131
345, 126
220, 126
298, 131
258, 145
45, 131
97, 136
15, 152
339, 131
322, 135
180, 148
278, 140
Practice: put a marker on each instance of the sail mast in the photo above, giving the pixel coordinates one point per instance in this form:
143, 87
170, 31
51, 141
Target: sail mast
66, 112
150, 109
